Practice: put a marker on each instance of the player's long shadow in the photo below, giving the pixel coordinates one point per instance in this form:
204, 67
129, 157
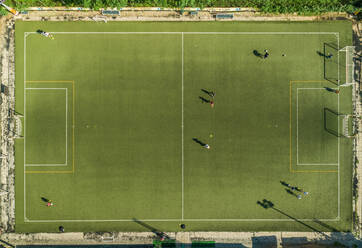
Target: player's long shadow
159, 233
321, 54
284, 184
204, 99
291, 192
257, 54
270, 205
209, 93
198, 142
44, 199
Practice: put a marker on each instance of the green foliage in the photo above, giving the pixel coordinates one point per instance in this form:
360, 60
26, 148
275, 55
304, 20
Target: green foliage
3, 12
23, 4
97, 4
266, 6
87, 3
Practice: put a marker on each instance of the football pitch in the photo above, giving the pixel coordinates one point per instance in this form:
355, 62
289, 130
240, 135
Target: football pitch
116, 116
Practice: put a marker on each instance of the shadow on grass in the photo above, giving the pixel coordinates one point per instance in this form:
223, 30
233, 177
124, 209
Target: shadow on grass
257, 54
321, 54
270, 205
291, 192
161, 235
198, 142
209, 93
327, 127
330, 228
285, 184
332, 50
204, 100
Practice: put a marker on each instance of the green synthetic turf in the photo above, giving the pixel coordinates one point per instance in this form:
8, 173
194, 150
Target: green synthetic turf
48, 107
132, 108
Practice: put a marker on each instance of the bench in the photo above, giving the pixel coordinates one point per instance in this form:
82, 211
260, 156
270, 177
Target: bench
110, 12
224, 16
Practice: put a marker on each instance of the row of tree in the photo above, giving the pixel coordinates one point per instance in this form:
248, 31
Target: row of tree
267, 6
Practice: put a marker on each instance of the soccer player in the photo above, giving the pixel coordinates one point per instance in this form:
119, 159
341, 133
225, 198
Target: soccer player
207, 146
46, 34
329, 56
49, 204
212, 103
266, 55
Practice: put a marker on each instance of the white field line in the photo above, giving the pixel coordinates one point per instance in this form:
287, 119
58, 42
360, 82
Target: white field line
46, 88
231, 33
25, 35
315, 88
336, 164
338, 79
318, 164
346, 65
297, 126
44, 165
201, 33
177, 220
182, 125
352, 71
339, 188
66, 128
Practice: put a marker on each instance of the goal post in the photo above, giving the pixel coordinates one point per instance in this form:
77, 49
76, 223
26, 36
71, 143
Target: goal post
339, 124
339, 64
349, 64
18, 133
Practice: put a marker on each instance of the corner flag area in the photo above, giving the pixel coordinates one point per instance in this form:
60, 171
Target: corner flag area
174, 123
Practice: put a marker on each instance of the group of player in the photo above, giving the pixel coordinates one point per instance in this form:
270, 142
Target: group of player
291, 190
